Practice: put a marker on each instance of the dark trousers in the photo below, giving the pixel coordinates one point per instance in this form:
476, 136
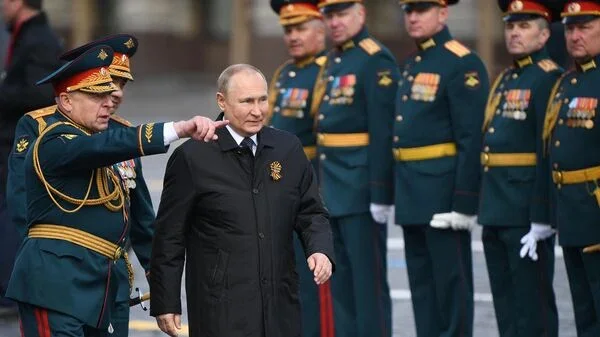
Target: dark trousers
9, 238
315, 301
440, 274
40, 322
583, 270
361, 294
522, 288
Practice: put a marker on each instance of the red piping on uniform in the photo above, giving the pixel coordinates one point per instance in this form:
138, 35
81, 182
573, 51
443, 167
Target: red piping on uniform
46, 324
105, 295
326, 310
13, 41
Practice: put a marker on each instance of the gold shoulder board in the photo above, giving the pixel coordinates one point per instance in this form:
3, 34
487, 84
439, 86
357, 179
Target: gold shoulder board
120, 120
370, 46
457, 48
47, 111
547, 65
321, 60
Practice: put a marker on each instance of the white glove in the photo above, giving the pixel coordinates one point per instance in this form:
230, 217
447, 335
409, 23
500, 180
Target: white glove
380, 213
454, 220
537, 232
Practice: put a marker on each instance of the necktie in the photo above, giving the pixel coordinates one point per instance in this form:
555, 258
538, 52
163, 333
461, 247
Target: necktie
247, 143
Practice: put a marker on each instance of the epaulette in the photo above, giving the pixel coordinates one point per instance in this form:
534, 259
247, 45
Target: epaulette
457, 48
321, 60
35, 114
547, 65
369, 45
120, 120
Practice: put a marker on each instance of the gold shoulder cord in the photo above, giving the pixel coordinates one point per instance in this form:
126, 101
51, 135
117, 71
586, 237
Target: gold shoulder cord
273, 91
101, 181
552, 110
319, 89
493, 101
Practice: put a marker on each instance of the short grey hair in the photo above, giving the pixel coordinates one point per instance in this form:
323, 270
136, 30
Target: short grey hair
542, 23
229, 72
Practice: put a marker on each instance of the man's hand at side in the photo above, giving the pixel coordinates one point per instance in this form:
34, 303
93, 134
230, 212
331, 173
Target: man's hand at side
169, 323
320, 265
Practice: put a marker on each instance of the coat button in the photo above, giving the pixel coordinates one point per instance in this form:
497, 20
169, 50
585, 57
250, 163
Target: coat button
326, 98
405, 98
399, 118
261, 235
498, 111
418, 58
561, 121
255, 190
276, 109
574, 81
330, 78
557, 143
321, 117
515, 76
337, 60
491, 130
410, 78
322, 156
486, 149
555, 165
566, 100
396, 139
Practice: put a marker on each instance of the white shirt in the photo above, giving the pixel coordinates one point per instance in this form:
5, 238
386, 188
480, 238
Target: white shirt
238, 138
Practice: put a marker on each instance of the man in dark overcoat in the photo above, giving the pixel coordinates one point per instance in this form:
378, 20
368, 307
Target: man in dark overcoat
230, 209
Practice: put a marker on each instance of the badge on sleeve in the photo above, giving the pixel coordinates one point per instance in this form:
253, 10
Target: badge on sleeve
22, 144
472, 80
384, 78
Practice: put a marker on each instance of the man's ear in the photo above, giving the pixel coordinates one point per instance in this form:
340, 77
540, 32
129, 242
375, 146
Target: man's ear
65, 102
221, 101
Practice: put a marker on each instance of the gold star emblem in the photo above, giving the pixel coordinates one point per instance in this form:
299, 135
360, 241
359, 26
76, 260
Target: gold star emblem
275, 170
102, 55
129, 44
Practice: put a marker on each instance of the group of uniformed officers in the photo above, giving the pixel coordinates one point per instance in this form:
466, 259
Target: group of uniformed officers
426, 141
430, 136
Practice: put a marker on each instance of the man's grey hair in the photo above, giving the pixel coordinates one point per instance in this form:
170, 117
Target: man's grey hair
542, 23
227, 74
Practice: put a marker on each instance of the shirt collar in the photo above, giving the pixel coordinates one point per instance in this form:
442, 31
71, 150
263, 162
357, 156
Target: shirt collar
238, 138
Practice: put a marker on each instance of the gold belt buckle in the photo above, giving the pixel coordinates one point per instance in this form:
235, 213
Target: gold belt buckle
118, 253
486, 158
558, 177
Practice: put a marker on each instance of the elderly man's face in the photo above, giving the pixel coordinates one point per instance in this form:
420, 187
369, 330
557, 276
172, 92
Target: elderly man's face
304, 39
91, 111
245, 103
423, 24
583, 39
345, 24
117, 95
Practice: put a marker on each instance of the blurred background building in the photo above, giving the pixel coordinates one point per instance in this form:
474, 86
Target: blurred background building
207, 35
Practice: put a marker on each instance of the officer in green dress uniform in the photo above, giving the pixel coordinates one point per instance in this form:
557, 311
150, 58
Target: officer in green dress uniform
291, 109
511, 209
437, 139
354, 136
64, 278
571, 136
141, 210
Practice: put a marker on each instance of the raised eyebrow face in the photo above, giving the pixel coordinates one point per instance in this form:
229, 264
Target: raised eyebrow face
253, 98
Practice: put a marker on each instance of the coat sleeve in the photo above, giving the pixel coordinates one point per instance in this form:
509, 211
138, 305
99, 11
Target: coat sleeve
26, 133
66, 149
312, 220
168, 247
381, 83
540, 202
142, 218
467, 95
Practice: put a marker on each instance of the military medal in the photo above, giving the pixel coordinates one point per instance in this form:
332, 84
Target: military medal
424, 87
